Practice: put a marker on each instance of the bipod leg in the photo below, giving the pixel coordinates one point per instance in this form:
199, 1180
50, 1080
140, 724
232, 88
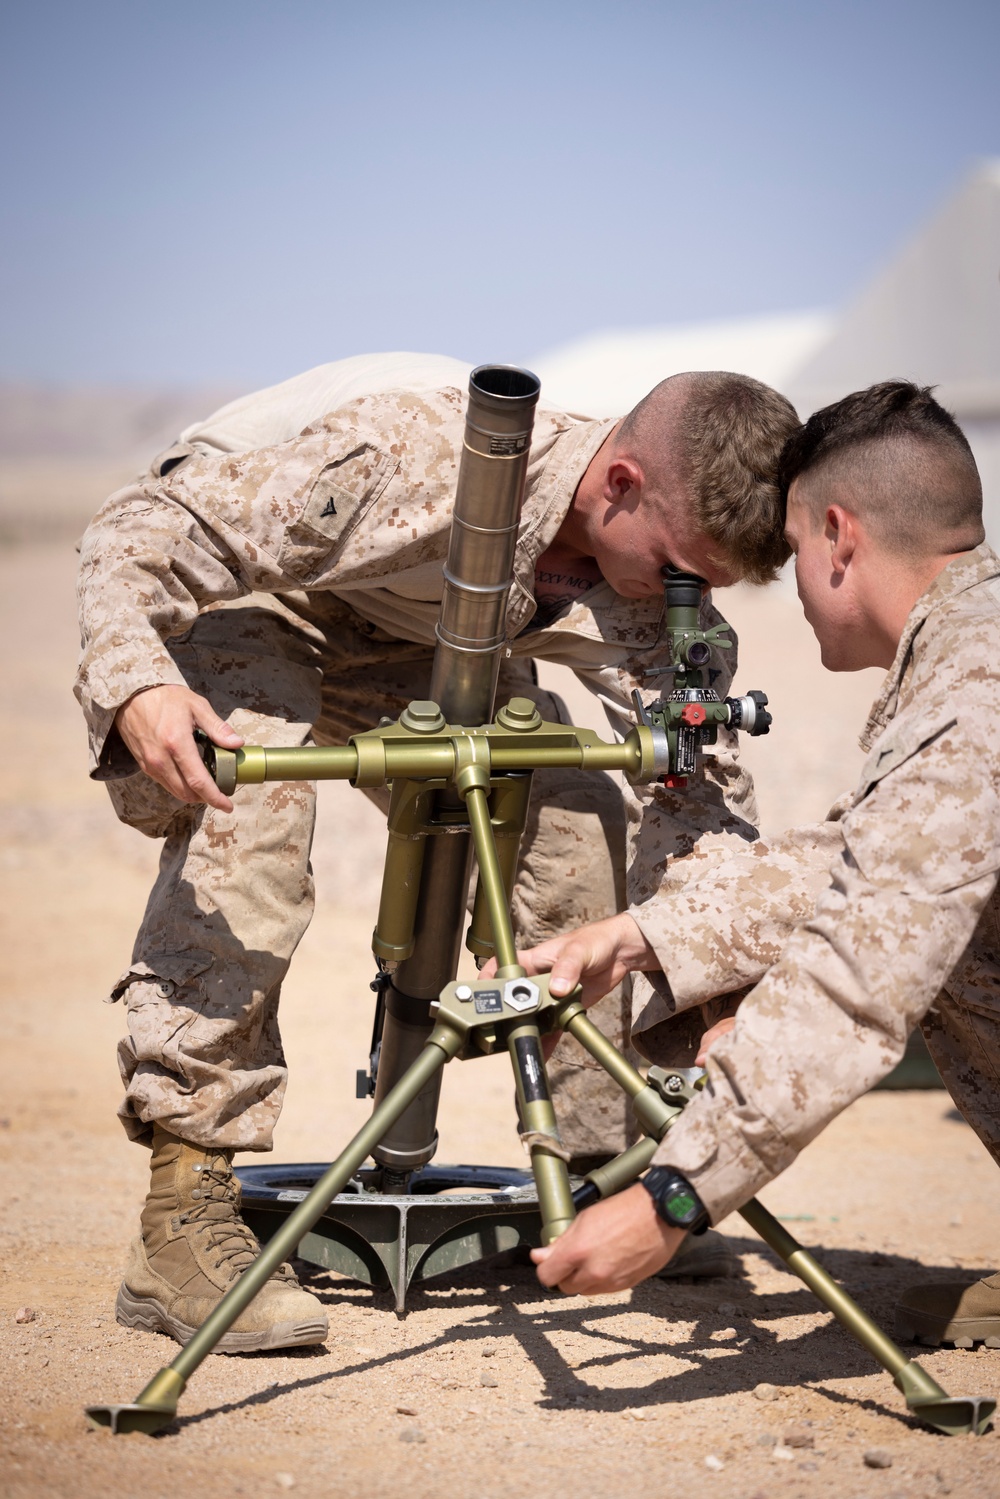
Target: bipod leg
541, 1132
156, 1405
924, 1396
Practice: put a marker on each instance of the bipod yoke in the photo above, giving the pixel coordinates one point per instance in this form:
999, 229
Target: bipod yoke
511, 1012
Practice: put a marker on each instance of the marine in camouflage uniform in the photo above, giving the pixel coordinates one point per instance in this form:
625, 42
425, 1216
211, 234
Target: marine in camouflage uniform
882, 918
284, 560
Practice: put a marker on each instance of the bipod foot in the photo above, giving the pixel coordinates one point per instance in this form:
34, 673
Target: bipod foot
954, 1415
151, 1411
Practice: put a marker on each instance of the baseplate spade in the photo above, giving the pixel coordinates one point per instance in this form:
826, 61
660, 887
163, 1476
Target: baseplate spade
452, 1216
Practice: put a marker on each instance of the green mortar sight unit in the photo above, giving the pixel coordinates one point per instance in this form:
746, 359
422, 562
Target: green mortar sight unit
691, 713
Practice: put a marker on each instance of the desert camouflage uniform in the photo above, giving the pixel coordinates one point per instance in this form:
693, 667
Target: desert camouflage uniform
896, 916
296, 585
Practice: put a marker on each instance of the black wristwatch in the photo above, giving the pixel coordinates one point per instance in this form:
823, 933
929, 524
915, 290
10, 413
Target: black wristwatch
675, 1200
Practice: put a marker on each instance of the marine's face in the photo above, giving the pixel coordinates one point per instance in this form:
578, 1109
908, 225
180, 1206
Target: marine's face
636, 540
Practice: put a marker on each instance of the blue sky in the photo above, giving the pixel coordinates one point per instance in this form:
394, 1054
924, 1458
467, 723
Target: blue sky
231, 192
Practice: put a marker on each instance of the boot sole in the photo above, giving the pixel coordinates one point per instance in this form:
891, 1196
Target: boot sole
962, 1332
150, 1315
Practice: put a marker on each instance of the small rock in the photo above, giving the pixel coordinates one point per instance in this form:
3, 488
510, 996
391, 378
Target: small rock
25, 1314
412, 1434
713, 1463
783, 1454
767, 1439
364, 1352
98, 1323
406, 1410
489, 1381
798, 1436
488, 1352
726, 1308
765, 1392
285, 1480
878, 1457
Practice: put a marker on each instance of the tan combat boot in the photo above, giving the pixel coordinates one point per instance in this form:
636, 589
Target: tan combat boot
701, 1257
194, 1246
951, 1312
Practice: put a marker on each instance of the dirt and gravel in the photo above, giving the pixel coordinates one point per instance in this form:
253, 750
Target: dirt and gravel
490, 1386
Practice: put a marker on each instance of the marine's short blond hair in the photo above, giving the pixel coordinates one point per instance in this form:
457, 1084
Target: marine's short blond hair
723, 436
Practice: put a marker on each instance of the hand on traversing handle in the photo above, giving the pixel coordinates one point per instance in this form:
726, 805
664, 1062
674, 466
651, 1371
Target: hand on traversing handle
157, 724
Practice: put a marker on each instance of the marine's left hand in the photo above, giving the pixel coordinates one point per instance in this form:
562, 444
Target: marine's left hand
609, 1247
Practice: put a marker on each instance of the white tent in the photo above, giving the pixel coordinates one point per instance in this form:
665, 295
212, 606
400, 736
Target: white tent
931, 315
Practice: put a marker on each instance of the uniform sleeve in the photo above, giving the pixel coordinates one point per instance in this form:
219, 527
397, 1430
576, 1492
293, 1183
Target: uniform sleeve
214, 529
918, 864
718, 927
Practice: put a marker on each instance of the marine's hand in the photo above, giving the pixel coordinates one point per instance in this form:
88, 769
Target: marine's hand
598, 956
611, 1246
158, 724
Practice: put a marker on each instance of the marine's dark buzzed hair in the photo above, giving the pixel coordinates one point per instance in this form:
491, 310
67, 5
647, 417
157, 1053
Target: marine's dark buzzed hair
903, 462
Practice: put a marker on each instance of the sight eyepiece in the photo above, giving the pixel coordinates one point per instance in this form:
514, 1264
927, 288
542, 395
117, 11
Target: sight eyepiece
682, 590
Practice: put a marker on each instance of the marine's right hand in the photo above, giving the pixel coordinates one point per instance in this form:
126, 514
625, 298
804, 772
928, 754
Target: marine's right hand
598, 956
158, 724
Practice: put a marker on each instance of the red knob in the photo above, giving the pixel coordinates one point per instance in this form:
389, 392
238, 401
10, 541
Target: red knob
693, 714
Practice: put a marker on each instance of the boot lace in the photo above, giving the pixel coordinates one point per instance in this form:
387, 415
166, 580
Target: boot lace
217, 1216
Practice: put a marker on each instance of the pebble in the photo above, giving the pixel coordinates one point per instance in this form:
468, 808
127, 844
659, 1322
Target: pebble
713, 1463
798, 1436
489, 1381
412, 1434
285, 1480
767, 1439
878, 1457
783, 1454
364, 1352
406, 1410
726, 1308
765, 1392
488, 1352
25, 1314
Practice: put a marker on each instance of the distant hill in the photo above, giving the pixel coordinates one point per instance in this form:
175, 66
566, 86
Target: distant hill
63, 449
38, 421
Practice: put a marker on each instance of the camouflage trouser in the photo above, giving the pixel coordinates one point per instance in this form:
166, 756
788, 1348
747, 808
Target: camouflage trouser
234, 895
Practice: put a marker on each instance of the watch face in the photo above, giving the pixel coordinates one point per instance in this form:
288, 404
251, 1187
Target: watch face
682, 1205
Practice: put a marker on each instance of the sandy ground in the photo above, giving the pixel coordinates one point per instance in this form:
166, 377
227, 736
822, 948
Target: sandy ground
489, 1386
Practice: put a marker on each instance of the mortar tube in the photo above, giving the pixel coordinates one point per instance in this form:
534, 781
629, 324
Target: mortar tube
470, 641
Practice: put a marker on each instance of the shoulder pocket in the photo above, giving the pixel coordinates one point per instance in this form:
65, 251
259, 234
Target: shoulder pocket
898, 744
926, 818
332, 506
